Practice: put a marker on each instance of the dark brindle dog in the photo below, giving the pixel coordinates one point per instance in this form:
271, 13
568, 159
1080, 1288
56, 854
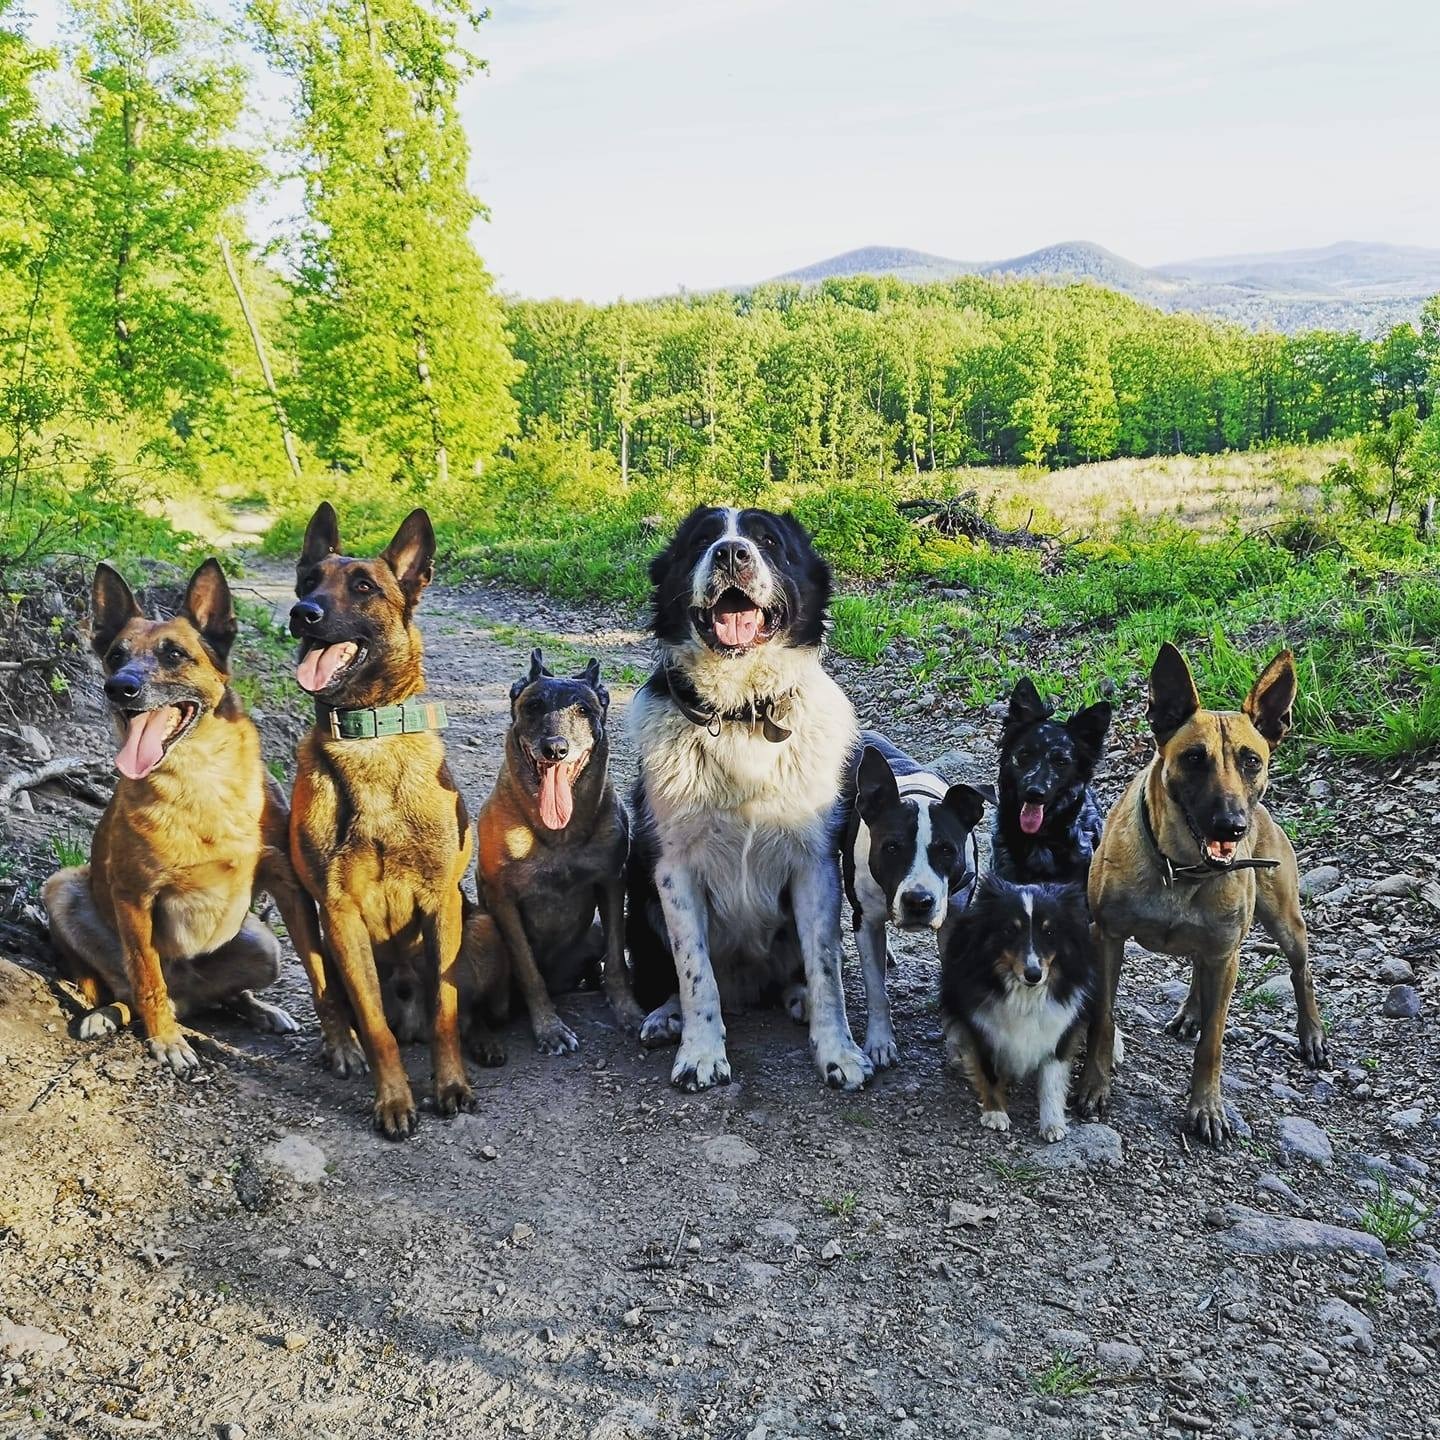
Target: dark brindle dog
1048, 822
1189, 859
379, 833
553, 842
160, 918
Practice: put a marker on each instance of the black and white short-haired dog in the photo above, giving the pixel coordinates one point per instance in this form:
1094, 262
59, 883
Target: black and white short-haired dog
743, 742
909, 858
1016, 984
1047, 822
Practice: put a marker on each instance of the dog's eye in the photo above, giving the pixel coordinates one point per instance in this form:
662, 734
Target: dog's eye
172, 654
769, 541
945, 850
890, 847
1195, 759
117, 656
1250, 762
361, 586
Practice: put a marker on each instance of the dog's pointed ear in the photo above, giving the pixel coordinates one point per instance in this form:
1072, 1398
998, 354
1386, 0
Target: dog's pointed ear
987, 793
112, 607
966, 803
211, 609
591, 677
322, 537
539, 670
1089, 727
875, 786
1026, 706
1173, 697
411, 554
1271, 701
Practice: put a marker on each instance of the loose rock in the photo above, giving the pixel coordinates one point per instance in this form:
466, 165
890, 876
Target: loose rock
730, 1152
1402, 1003
300, 1159
1253, 1233
1086, 1147
1303, 1139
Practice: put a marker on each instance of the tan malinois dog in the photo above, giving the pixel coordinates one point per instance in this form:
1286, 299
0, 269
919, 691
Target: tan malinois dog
159, 920
1189, 859
379, 834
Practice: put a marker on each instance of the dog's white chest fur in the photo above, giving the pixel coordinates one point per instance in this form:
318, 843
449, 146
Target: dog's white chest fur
741, 813
1023, 1027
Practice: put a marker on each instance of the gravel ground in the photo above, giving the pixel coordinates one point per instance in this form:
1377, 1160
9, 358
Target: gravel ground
595, 1254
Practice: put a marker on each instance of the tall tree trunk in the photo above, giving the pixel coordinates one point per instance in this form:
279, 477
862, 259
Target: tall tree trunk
132, 127
1426, 528
285, 435
427, 389
624, 453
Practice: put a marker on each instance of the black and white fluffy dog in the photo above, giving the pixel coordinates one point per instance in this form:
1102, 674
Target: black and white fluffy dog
734, 884
1047, 823
1016, 982
909, 859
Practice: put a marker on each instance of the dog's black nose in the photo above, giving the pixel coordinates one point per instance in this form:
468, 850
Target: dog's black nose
917, 900
1033, 973
554, 747
305, 615
1231, 825
125, 684
733, 555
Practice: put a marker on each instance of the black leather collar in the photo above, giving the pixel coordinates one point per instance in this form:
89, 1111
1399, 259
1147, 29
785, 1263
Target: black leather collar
1207, 868
760, 711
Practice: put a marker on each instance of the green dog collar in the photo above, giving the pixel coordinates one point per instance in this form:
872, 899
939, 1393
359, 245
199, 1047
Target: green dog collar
415, 717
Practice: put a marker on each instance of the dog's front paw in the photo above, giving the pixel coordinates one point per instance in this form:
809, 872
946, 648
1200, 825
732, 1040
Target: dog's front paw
99, 1023
488, 1049
700, 1064
1314, 1051
342, 1053
272, 1019
994, 1120
555, 1037
844, 1065
663, 1026
174, 1051
628, 1012
453, 1097
1057, 1130
1092, 1095
797, 1003
1206, 1118
394, 1116
881, 1047
1184, 1024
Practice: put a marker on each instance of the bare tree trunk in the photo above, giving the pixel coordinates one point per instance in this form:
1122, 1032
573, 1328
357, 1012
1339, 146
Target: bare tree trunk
427, 388
1426, 527
289, 440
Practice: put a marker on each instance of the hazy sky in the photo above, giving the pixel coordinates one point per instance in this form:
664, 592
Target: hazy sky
632, 146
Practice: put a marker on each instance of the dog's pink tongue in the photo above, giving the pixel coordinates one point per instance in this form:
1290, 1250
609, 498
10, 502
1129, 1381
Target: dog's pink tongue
1032, 817
317, 669
144, 744
557, 801
737, 624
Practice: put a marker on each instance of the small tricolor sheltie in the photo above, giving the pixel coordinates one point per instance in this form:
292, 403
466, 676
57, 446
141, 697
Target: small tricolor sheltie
1016, 982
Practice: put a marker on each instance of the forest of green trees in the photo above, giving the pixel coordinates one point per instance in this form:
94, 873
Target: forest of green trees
148, 344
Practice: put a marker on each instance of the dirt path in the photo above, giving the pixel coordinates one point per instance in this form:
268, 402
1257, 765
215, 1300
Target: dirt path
594, 1254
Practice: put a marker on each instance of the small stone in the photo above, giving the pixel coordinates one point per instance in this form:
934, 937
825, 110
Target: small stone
1274, 1185
300, 1159
835, 1421
311, 1262
1318, 789
1395, 885
293, 1340
1278, 991
1395, 971
779, 1233
831, 1250
1253, 1233
1304, 1139
1086, 1147
1318, 881
1402, 1003
1118, 1357
230, 1430
692, 1244
30, 1343
631, 1318
23, 803
1351, 1329
489, 1152
1410, 1119
37, 747
730, 1152
521, 1233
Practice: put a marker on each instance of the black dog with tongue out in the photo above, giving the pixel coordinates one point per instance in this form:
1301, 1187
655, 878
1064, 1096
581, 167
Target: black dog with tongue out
1048, 823
553, 844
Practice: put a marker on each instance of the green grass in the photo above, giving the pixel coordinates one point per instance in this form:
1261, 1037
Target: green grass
1064, 1378
842, 1207
1018, 1173
1390, 1219
70, 849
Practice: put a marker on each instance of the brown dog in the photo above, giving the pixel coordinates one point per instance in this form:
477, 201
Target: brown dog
379, 834
160, 918
1189, 859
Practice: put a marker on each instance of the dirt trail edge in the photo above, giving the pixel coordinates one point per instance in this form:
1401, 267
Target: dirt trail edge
594, 1254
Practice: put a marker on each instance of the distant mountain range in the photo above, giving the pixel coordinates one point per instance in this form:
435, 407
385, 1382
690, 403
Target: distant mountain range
1354, 285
